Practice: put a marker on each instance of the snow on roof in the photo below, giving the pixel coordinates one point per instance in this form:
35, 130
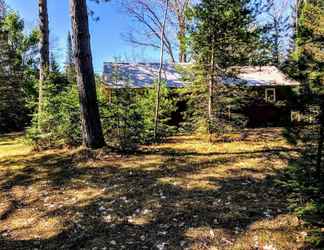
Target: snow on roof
264, 76
143, 75
140, 75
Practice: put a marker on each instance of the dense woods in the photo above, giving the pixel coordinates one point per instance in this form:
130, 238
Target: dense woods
67, 105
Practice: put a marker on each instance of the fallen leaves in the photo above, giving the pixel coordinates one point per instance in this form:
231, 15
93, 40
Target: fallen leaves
185, 194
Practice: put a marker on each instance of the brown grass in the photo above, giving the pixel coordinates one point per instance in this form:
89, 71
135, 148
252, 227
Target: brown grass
183, 194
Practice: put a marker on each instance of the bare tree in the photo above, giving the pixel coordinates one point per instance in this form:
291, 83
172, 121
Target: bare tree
148, 14
90, 118
158, 92
179, 7
279, 27
2, 8
44, 54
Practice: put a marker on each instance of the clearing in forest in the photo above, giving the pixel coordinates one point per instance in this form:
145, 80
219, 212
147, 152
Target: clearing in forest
183, 194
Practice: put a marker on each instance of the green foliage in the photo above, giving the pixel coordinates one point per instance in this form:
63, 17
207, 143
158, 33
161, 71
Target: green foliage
221, 37
308, 56
60, 119
229, 102
121, 120
222, 29
128, 116
16, 73
229, 105
195, 95
167, 106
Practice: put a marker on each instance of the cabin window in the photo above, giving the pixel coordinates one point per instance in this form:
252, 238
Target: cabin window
270, 95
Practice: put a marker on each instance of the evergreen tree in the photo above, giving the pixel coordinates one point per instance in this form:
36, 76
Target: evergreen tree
69, 66
309, 55
307, 65
57, 79
222, 36
14, 80
69, 53
54, 66
128, 114
90, 118
277, 30
44, 54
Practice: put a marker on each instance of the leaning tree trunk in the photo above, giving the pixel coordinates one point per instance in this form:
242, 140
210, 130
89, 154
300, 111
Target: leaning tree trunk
44, 54
90, 118
320, 145
158, 92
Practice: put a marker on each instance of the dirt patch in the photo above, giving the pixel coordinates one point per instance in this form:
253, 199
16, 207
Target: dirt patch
184, 194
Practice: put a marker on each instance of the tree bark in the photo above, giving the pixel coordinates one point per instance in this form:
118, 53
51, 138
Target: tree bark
145, 12
211, 89
320, 145
158, 94
179, 8
90, 117
182, 39
2, 9
44, 54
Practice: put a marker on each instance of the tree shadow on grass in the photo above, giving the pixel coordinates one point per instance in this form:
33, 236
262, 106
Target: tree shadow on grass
147, 203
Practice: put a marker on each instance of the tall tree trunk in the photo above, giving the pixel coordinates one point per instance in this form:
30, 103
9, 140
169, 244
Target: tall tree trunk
44, 54
2, 9
211, 90
158, 91
90, 118
276, 49
182, 39
320, 145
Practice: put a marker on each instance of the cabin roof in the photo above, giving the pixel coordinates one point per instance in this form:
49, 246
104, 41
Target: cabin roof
140, 75
264, 76
143, 75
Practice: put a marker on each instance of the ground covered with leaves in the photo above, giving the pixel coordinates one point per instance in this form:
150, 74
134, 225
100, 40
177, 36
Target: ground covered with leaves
184, 194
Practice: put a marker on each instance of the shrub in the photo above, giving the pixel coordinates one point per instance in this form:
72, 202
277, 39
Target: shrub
128, 116
60, 119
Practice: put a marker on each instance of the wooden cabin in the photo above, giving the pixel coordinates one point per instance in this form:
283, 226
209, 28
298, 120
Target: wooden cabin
270, 83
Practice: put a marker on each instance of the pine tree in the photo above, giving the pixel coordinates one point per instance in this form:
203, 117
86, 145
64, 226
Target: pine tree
54, 66
221, 37
158, 87
13, 111
309, 60
90, 117
44, 54
58, 80
69, 53
277, 30
69, 66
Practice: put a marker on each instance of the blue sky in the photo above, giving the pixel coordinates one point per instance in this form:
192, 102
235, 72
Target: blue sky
106, 39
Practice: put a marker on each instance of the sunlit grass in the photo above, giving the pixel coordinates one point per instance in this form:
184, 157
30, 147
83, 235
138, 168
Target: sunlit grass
13, 145
185, 193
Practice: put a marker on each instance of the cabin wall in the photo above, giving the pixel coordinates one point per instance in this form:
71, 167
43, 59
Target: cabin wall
272, 114
259, 112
